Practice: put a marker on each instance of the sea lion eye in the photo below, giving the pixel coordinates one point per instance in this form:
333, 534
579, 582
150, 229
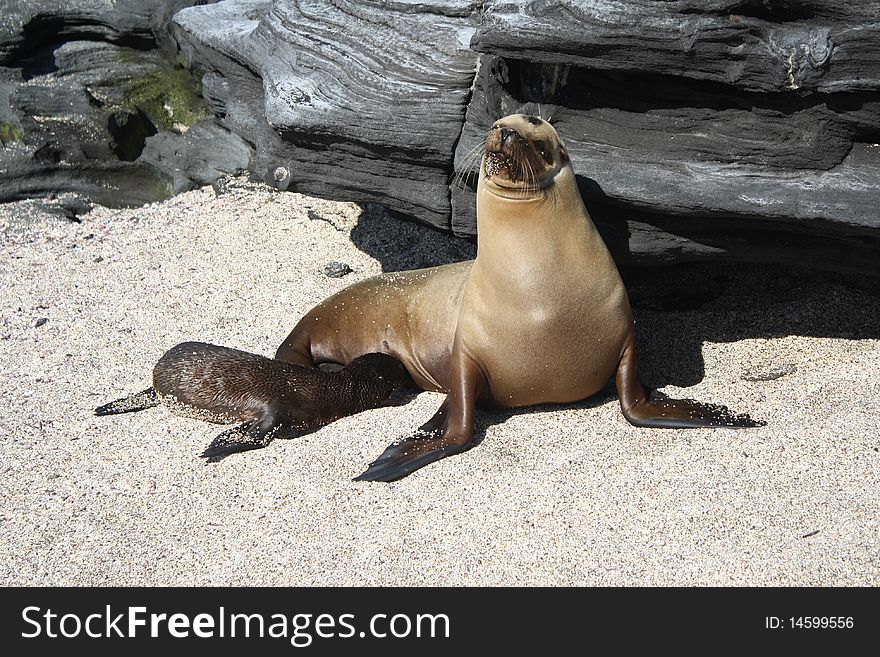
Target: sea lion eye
541, 147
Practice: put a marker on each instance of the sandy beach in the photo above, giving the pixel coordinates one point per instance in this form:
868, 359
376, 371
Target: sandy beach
556, 495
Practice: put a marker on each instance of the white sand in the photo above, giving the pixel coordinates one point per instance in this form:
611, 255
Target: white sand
562, 495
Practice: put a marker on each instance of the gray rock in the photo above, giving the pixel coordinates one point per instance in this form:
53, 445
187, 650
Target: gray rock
698, 130
335, 269
86, 89
674, 170
358, 100
74, 136
739, 129
197, 157
752, 45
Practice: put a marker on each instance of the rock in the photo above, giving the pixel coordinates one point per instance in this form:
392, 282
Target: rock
769, 372
737, 129
359, 100
199, 156
86, 89
733, 128
334, 269
80, 133
70, 206
751, 45
671, 170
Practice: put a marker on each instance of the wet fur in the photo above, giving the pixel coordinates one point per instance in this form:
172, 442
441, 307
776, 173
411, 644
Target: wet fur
272, 398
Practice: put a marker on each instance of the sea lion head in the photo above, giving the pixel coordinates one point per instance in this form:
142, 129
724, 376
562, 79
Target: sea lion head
523, 153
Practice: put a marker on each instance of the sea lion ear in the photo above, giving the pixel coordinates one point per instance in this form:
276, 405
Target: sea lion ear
563, 155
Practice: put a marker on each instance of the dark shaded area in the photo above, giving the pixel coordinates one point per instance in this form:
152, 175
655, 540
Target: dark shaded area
400, 244
781, 11
46, 30
130, 131
37, 61
48, 153
681, 306
637, 237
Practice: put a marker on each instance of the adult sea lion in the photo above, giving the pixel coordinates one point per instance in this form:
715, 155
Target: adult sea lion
541, 315
272, 398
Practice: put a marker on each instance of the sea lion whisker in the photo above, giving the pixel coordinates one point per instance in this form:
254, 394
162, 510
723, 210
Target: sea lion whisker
469, 161
472, 156
460, 171
462, 159
533, 179
476, 158
530, 179
525, 176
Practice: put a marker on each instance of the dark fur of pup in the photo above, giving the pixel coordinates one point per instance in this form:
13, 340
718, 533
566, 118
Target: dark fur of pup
272, 398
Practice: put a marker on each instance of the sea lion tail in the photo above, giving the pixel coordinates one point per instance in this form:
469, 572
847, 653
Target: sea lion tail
136, 402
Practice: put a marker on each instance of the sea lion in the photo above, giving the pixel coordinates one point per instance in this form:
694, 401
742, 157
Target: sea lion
541, 315
274, 399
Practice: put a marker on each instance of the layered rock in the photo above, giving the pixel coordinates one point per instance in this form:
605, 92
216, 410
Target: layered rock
84, 87
752, 45
698, 129
353, 99
675, 170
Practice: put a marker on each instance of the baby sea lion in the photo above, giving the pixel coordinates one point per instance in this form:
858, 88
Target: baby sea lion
541, 315
274, 399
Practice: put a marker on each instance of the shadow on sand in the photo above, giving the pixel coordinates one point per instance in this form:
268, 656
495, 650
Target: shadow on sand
677, 307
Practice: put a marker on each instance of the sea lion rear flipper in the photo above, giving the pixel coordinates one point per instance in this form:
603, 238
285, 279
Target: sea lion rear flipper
136, 402
660, 411
656, 410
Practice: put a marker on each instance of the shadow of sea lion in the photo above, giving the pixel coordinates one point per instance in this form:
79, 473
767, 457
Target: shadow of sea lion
677, 307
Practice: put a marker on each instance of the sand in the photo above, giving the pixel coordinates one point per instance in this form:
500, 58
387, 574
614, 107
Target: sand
561, 495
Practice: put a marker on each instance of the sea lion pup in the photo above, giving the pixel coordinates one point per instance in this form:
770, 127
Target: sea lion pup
273, 399
540, 316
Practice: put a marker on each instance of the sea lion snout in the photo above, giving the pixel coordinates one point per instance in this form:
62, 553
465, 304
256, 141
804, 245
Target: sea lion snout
521, 152
503, 140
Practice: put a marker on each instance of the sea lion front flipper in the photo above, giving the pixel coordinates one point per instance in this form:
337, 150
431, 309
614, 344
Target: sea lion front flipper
450, 431
409, 454
243, 438
254, 434
653, 409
